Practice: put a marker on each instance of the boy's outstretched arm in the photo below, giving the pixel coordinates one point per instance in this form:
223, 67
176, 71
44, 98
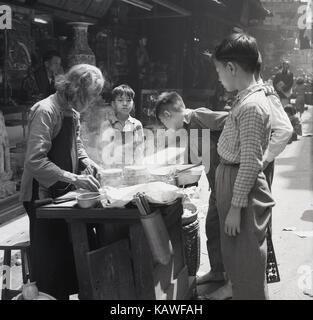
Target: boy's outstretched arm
205, 118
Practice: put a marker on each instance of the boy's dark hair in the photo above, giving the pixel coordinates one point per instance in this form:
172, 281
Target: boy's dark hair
240, 48
50, 54
290, 110
168, 101
122, 90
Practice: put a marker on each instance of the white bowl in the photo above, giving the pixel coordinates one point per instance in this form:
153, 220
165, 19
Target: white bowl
88, 200
190, 176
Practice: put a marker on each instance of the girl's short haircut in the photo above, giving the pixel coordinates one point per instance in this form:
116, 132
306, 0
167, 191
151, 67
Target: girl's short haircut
81, 81
168, 101
239, 48
123, 90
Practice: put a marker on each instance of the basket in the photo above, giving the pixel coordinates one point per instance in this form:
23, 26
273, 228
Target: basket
272, 273
191, 240
188, 219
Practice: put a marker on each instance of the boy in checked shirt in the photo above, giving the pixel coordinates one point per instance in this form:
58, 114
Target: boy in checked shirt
281, 130
243, 197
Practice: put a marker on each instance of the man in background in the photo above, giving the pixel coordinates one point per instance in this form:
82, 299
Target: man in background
40, 84
283, 83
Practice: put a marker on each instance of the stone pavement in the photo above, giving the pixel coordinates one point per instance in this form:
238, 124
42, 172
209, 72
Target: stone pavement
293, 193
16, 225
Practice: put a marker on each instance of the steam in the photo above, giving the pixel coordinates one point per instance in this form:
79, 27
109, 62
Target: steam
111, 148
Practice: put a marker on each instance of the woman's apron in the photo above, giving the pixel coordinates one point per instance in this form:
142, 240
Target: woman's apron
53, 266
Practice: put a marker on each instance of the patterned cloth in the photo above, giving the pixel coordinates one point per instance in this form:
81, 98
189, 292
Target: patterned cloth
245, 138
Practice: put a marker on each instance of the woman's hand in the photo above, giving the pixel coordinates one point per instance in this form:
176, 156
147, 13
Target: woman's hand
87, 182
94, 170
232, 222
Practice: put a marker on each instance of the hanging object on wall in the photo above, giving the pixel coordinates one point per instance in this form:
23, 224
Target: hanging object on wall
80, 51
7, 187
142, 58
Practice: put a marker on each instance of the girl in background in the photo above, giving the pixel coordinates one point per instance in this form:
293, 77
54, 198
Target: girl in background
295, 121
299, 92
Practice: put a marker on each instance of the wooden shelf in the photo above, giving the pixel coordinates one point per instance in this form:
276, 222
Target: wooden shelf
22, 109
14, 109
15, 122
10, 208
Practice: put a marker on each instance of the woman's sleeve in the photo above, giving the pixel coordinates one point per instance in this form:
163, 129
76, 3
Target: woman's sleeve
39, 144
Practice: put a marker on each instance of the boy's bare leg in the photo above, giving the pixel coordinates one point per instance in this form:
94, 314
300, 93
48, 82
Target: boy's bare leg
223, 293
210, 276
212, 231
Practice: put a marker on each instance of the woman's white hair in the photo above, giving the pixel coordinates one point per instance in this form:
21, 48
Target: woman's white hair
80, 83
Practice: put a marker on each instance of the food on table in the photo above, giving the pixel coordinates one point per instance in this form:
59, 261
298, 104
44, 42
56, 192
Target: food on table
155, 192
135, 175
112, 177
160, 192
163, 174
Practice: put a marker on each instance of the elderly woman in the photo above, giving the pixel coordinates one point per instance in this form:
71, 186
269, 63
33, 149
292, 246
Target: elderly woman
54, 157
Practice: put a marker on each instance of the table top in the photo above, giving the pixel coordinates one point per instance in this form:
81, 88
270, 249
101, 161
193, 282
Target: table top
70, 211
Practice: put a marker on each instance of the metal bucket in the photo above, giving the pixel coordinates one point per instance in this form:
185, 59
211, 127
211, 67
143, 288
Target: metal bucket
157, 237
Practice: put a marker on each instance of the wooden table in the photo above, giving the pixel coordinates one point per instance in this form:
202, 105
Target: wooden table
121, 266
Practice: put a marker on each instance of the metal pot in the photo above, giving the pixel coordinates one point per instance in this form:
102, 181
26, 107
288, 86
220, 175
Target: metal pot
189, 176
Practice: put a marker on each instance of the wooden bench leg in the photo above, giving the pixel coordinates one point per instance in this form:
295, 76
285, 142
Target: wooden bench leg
6, 273
25, 265
30, 275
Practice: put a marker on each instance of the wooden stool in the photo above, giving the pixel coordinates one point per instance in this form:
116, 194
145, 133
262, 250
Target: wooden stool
19, 241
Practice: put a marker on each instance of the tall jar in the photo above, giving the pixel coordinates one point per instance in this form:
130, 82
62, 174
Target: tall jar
80, 51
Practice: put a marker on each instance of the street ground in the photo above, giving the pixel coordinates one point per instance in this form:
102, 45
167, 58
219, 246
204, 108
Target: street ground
293, 192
